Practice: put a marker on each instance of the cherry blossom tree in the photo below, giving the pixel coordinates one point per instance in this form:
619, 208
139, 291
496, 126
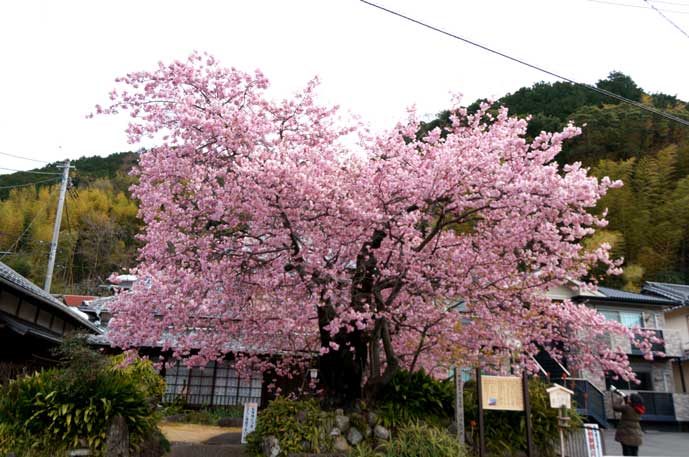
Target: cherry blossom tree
268, 232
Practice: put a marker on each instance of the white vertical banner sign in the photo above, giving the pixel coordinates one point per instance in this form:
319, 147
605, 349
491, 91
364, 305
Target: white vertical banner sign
594, 447
249, 422
459, 403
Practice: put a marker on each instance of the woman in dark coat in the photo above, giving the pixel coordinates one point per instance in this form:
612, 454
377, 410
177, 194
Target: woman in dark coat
628, 429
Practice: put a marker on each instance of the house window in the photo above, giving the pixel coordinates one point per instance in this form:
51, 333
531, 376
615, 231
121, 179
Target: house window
216, 384
627, 318
643, 376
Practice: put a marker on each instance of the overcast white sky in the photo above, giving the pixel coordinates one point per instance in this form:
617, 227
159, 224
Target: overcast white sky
59, 58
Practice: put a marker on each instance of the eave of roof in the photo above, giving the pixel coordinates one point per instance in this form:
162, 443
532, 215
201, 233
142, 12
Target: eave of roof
679, 293
623, 297
18, 282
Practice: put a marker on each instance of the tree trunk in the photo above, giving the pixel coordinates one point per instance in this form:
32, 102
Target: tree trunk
341, 370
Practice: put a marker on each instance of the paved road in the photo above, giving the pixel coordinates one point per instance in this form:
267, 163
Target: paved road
656, 443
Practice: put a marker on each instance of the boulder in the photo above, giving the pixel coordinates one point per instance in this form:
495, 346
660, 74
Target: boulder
341, 444
270, 446
381, 432
342, 422
230, 422
117, 441
175, 418
354, 436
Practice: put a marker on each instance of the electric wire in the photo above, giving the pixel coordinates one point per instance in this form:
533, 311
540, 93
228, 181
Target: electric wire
622, 99
672, 3
668, 19
30, 183
28, 171
628, 5
70, 259
22, 157
28, 227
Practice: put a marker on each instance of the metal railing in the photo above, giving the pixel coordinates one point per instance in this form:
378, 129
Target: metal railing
590, 401
659, 406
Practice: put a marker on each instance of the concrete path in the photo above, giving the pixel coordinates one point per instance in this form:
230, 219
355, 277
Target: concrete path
206, 450
656, 443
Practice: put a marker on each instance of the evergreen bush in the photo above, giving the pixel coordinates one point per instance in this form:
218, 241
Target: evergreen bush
58, 409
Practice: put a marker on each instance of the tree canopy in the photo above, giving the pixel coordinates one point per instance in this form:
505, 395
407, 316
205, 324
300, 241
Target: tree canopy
266, 233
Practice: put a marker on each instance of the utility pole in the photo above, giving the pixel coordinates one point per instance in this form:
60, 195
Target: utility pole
56, 227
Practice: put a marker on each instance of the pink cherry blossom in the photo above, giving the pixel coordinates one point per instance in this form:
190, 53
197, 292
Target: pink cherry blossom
268, 233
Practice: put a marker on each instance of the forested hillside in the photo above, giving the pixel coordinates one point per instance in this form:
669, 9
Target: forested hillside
98, 227
649, 216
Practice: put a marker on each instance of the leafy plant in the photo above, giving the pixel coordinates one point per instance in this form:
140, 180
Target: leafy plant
414, 396
54, 410
293, 423
415, 440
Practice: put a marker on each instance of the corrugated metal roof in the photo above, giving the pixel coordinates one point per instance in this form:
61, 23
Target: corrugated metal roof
8, 275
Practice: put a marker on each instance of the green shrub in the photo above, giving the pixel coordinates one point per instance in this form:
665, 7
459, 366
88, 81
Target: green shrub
211, 416
415, 440
506, 430
54, 410
293, 423
149, 382
412, 396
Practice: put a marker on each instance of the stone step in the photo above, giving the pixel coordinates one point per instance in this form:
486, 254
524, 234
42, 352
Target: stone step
206, 450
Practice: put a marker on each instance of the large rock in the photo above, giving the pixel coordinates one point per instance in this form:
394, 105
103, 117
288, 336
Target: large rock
354, 436
342, 422
175, 418
230, 422
270, 446
117, 442
341, 444
381, 432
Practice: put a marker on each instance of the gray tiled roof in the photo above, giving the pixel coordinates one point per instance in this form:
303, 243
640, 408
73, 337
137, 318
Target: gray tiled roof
624, 296
679, 293
8, 275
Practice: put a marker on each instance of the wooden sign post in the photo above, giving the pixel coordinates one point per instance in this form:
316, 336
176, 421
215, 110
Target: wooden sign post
503, 393
561, 398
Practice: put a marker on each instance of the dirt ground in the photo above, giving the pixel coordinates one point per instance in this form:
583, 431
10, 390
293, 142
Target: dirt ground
193, 440
193, 433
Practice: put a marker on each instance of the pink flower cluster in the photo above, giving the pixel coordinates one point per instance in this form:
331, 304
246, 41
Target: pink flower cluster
267, 233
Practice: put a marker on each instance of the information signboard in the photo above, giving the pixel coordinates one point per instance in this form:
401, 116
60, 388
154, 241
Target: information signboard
502, 393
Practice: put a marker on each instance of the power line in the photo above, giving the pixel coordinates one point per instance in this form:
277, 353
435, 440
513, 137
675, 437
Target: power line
628, 5
668, 19
16, 243
27, 171
22, 157
671, 3
622, 99
30, 183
